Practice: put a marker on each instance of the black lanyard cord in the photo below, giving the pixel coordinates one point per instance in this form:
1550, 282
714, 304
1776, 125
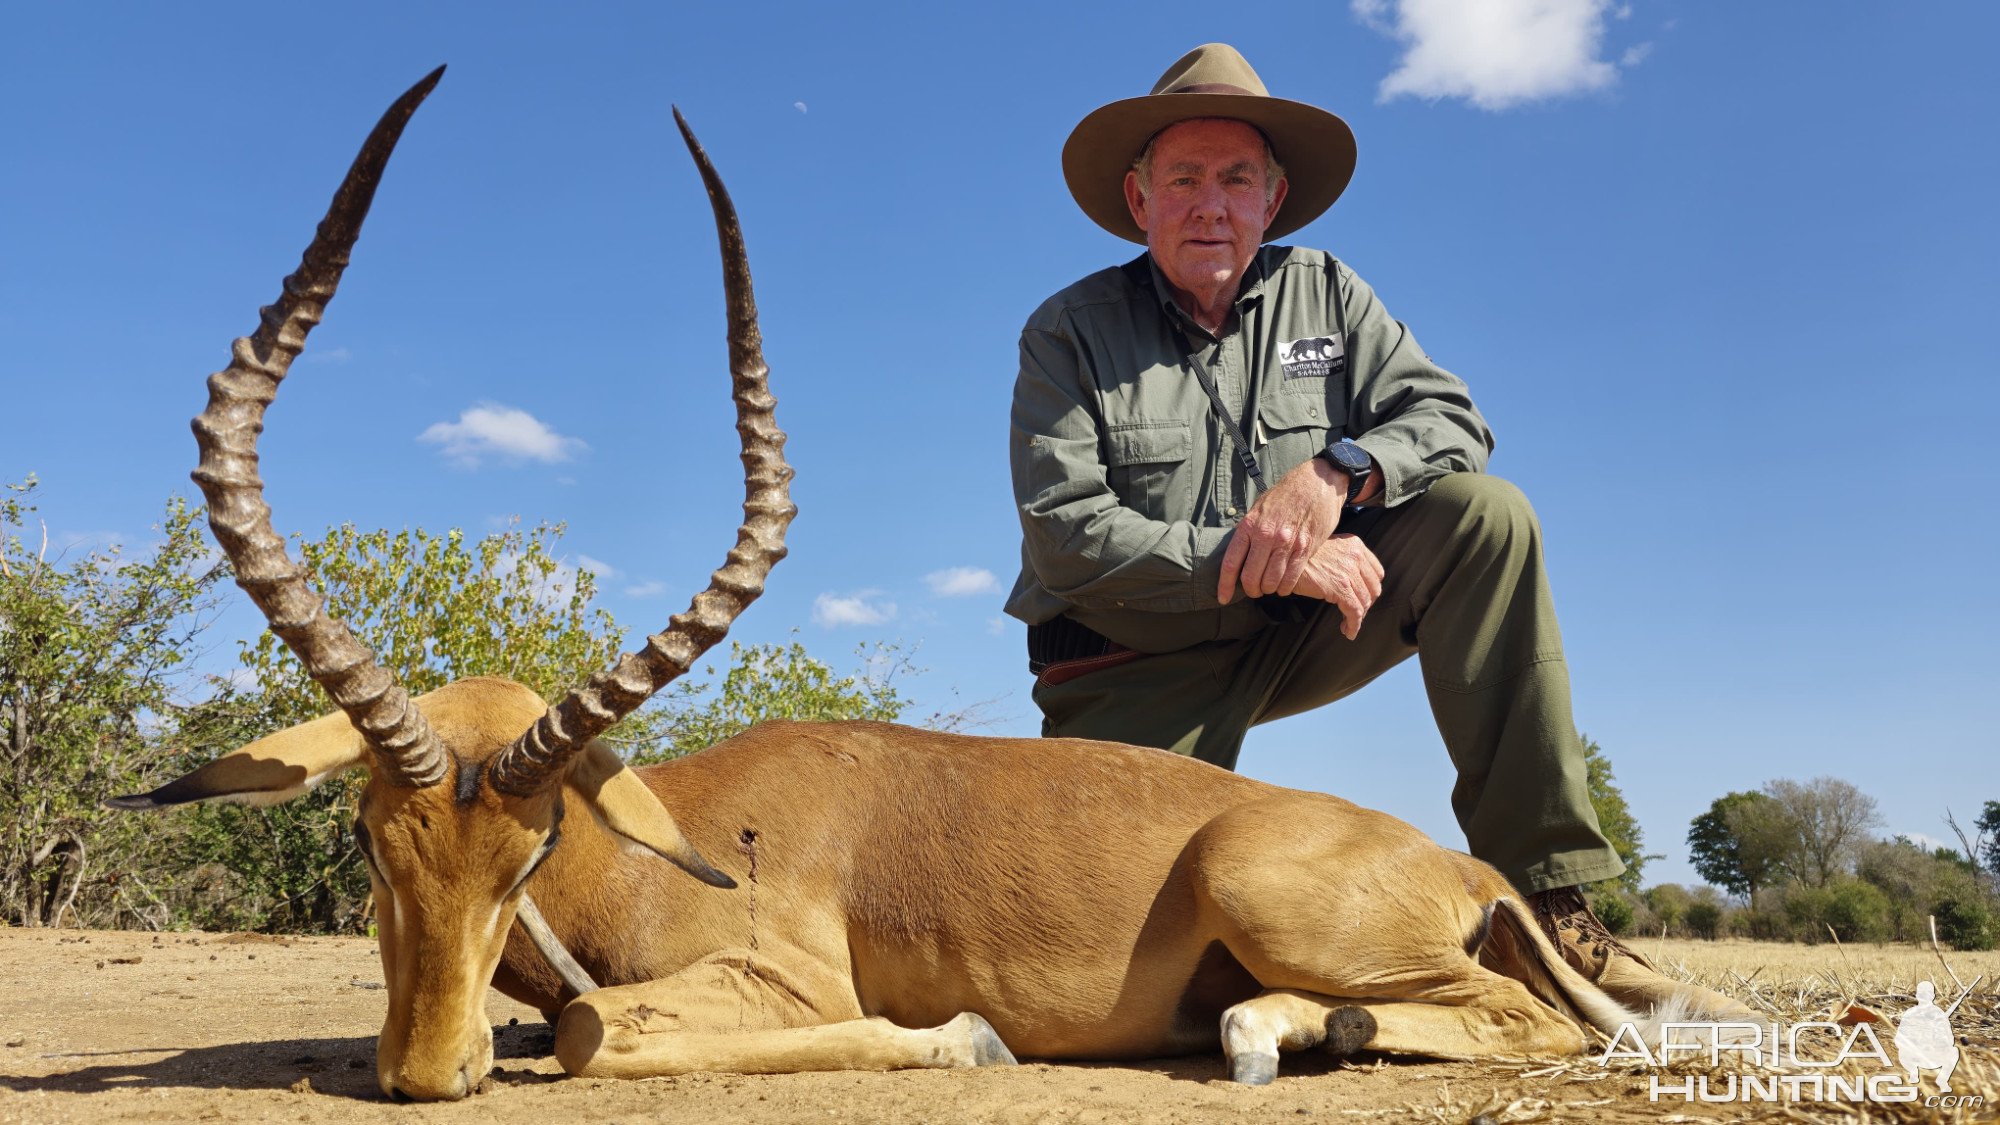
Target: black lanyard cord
1244, 456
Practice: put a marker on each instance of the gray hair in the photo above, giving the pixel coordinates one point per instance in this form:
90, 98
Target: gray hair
1143, 166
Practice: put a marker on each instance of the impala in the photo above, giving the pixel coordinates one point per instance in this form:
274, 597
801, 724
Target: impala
836, 895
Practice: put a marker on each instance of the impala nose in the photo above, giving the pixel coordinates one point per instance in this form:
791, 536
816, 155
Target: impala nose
459, 1085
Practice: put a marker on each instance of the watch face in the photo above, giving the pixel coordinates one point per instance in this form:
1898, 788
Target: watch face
1347, 456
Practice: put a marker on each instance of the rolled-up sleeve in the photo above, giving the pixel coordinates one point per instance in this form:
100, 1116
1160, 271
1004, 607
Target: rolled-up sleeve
1415, 418
1083, 546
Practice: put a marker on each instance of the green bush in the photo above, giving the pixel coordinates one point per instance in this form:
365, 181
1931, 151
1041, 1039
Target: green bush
1858, 911
1613, 911
1702, 919
1669, 904
1967, 923
1801, 915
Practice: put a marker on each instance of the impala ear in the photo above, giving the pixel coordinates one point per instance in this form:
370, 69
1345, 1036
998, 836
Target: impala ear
269, 771
624, 805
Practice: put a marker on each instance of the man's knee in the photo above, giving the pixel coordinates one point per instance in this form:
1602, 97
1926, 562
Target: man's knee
1486, 507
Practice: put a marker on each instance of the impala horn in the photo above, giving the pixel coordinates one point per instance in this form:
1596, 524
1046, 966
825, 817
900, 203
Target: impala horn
405, 748
541, 755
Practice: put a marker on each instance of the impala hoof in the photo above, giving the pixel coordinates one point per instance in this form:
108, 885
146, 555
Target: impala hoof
987, 1048
1348, 1030
1253, 1068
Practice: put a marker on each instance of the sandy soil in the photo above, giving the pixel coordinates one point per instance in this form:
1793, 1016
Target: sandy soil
200, 1027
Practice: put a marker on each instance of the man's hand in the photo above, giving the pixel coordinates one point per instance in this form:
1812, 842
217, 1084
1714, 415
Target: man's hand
1345, 572
1281, 531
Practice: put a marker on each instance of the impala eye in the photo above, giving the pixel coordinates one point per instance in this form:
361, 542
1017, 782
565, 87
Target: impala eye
362, 842
548, 849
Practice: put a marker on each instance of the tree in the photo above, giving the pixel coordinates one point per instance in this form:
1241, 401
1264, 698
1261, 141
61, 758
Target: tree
1740, 844
1614, 817
1988, 826
772, 682
1704, 919
1908, 876
1831, 820
434, 608
437, 608
91, 653
1668, 902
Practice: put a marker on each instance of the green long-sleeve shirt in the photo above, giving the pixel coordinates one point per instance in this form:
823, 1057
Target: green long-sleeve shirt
1127, 485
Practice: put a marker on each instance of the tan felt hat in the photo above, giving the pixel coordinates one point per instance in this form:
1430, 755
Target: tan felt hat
1213, 80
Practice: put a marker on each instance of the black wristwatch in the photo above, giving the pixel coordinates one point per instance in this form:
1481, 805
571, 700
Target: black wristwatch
1351, 459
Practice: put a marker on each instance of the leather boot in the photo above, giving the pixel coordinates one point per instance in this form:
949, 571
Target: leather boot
1628, 978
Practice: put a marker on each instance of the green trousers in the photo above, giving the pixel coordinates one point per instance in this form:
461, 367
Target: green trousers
1465, 590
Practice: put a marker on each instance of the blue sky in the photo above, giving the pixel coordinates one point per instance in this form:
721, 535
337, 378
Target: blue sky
1720, 276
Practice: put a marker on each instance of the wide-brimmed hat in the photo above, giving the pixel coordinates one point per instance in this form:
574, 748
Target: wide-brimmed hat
1213, 80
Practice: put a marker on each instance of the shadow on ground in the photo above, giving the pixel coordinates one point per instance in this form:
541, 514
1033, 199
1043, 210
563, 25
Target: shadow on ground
340, 1067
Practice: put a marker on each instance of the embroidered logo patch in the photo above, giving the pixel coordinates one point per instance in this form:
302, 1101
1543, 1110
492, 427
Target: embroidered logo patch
1313, 357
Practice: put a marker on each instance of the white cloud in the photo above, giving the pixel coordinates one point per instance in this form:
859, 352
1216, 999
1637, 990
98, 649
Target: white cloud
962, 582
1929, 843
595, 566
1635, 54
645, 589
1493, 53
491, 430
997, 626
330, 355
863, 607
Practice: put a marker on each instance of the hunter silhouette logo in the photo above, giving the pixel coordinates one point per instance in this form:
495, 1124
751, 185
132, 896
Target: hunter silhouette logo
1797, 1062
1313, 357
1923, 1036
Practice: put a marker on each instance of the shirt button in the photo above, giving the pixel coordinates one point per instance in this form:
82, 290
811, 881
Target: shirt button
1312, 411
1229, 511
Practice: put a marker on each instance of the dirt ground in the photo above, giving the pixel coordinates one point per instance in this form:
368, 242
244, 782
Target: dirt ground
201, 1027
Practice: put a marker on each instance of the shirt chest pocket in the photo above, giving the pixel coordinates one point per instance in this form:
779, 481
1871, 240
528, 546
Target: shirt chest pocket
1147, 464
1296, 420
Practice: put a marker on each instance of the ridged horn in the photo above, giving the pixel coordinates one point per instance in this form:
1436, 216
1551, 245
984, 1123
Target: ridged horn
405, 748
538, 758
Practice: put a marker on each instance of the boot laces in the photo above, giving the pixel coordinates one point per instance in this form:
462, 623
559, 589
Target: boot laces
1564, 910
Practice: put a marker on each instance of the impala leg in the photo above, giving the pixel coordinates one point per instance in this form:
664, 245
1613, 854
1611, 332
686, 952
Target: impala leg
726, 1014
1486, 1014
589, 1048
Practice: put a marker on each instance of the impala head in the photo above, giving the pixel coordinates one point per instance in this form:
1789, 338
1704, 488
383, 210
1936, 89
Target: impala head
465, 785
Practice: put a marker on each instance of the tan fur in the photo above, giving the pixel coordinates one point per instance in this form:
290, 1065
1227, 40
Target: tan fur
1090, 900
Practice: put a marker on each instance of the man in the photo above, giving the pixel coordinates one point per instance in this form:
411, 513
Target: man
1245, 492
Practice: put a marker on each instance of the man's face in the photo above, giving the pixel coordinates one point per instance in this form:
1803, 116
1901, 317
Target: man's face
1206, 209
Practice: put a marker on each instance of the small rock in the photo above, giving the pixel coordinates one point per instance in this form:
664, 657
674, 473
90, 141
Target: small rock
303, 1086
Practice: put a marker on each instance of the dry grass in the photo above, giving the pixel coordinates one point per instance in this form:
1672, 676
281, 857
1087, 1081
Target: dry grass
1789, 984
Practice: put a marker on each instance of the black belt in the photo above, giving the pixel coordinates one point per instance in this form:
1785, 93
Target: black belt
1059, 639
